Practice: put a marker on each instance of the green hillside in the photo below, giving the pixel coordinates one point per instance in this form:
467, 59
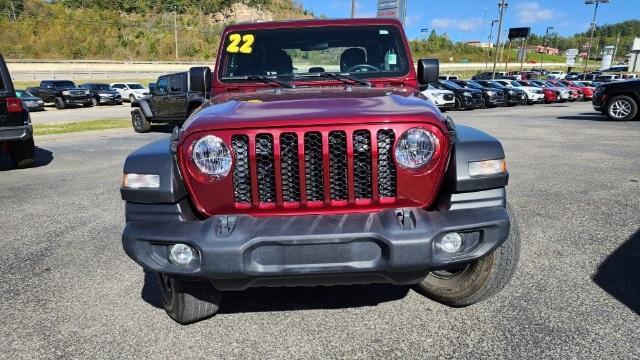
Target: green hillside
126, 29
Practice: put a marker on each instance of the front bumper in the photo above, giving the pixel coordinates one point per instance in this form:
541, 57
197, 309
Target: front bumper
12, 133
109, 100
77, 101
238, 252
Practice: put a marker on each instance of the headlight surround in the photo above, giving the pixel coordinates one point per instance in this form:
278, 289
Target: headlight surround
466, 93
212, 156
415, 148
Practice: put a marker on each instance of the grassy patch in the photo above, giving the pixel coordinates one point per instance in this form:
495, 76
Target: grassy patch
82, 126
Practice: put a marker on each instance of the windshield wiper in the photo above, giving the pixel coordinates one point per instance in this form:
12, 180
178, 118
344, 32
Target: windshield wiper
265, 79
344, 77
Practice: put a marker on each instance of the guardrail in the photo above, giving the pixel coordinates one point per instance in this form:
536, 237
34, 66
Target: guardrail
84, 75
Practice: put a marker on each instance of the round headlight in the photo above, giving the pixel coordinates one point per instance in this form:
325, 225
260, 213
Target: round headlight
212, 156
415, 148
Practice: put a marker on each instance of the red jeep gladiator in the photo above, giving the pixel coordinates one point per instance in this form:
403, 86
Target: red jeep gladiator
318, 162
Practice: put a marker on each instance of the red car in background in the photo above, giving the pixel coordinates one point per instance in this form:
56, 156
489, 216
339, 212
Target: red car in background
587, 89
576, 92
550, 95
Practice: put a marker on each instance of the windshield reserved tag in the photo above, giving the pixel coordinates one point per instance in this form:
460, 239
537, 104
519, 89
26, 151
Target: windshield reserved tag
393, 60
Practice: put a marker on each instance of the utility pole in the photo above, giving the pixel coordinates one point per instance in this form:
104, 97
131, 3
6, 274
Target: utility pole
175, 30
353, 8
503, 5
486, 58
544, 43
593, 29
524, 53
615, 50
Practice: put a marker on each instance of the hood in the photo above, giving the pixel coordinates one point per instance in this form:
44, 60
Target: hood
312, 106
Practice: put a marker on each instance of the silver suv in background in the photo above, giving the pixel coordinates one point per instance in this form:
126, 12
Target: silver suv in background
131, 91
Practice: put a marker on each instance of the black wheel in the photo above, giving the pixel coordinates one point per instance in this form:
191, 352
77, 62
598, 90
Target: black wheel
484, 104
132, 98
140, 122
22, 153
59, 103
94, 101
478, 280
188, 301
622, 108
458, 104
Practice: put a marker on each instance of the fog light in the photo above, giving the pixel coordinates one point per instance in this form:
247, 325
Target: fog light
181, 254
450, 242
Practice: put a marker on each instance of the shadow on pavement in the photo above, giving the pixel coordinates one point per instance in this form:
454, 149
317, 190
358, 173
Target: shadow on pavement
287, 299
165, 128
619, 273
586, 117
43, 158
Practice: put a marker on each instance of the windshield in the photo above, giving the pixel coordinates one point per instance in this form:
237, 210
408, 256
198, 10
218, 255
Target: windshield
64, 84
515, 83
450, 85
475, 85
135, 86
100, 87
364, 51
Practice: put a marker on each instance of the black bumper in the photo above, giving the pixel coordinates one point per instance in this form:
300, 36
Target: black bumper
13, 133
244, 251
76, 101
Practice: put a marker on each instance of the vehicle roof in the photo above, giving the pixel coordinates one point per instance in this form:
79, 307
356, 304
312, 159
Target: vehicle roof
166, 75
313, 23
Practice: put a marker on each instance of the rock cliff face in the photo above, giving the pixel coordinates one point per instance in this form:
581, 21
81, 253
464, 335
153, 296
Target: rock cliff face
240, 12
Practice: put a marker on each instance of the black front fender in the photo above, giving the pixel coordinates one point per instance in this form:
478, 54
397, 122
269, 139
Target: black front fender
144, 106
155, 158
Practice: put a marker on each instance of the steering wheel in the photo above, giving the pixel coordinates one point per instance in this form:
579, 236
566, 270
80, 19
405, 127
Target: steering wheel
363, 67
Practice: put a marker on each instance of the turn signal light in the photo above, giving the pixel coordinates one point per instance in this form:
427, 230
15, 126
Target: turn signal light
141, 181
487, 167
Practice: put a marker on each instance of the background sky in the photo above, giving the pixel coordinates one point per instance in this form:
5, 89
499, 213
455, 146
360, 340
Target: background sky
465, 20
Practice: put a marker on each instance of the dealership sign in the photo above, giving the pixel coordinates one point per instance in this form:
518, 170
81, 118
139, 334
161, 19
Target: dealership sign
396, 9
519, 33
571, 56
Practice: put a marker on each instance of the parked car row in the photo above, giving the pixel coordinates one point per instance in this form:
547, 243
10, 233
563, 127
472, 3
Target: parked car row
65, 93
474, 94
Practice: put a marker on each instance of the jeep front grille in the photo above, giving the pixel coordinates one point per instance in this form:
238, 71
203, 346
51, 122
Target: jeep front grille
313, 168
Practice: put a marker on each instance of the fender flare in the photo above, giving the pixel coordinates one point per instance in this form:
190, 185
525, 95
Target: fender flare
144, 106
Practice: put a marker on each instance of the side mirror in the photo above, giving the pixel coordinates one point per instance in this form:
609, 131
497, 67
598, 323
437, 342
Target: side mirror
200, 79
152, 88
428, 71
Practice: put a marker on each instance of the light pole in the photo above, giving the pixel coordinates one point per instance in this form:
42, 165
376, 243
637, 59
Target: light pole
593, 28
486, 58
503, 5
544, 43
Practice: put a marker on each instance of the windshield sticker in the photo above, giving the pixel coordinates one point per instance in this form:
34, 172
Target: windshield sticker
241, 43
384, 32
392, 59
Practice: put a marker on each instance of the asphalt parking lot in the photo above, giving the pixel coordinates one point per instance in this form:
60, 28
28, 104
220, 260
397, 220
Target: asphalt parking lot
67, 290
51, 115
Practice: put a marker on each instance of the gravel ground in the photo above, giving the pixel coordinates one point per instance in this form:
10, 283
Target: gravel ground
67, 290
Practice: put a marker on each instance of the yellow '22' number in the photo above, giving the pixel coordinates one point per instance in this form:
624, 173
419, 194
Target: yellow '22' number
235, 45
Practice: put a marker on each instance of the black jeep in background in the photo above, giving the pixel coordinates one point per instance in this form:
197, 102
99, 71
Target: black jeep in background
16, 133
62, 93
173, 98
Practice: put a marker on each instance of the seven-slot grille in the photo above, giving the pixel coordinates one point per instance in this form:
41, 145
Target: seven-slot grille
314, 168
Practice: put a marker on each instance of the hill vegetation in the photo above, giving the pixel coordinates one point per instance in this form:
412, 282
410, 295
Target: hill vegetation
144, 30
127, 29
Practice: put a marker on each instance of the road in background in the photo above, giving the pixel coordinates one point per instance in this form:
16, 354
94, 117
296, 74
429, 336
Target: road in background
67, 290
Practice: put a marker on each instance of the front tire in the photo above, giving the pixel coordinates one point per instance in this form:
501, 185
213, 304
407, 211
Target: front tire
94, 101
188, 301
478, 280
622, 108
458, 104
140, 122
59, 103
22, 153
